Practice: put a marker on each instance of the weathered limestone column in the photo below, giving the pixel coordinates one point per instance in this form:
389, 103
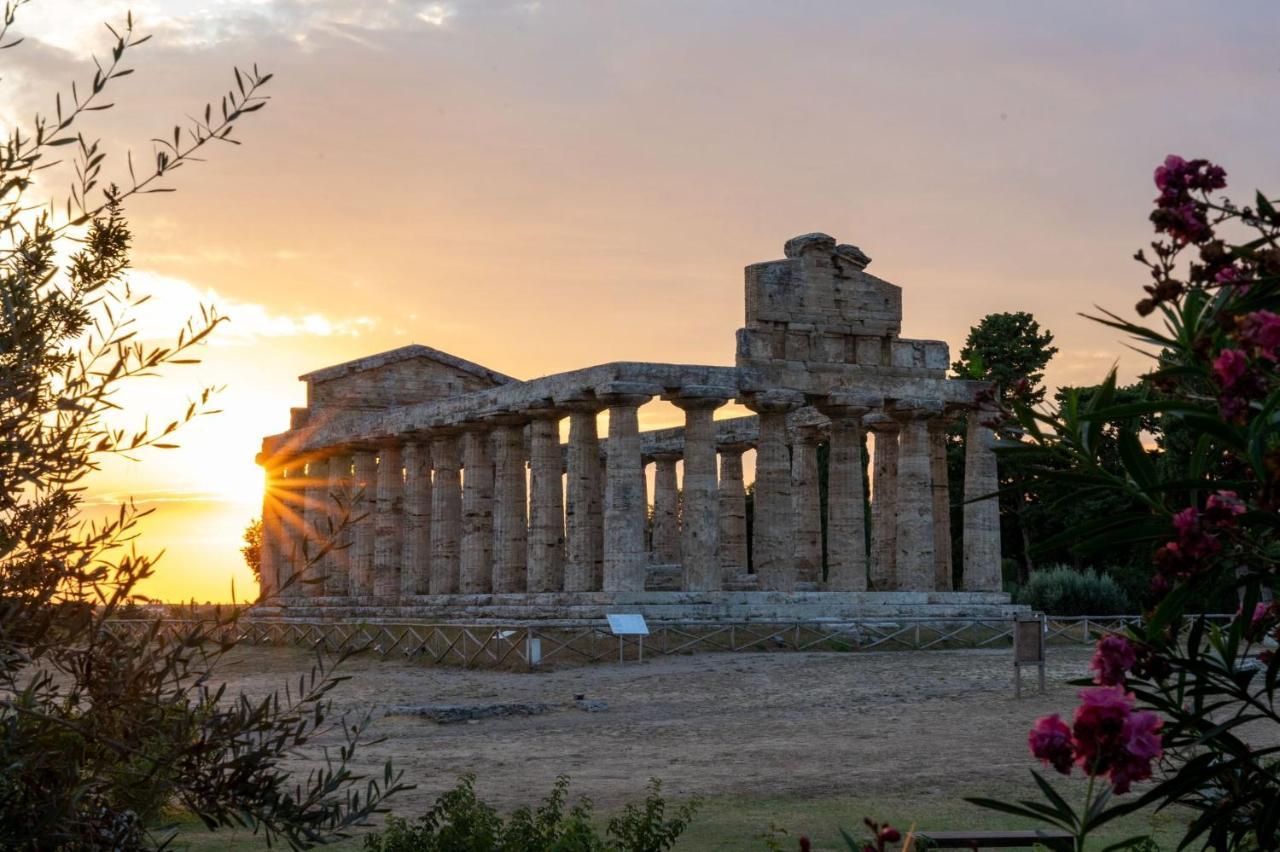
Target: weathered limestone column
269, 556
625, 501
415, 565
733, 512
941, 504
476, 568
388, 524
981, 513
884, 502
916, 570
583, 503
510, 498
316, 515
337, 561
773, 533
546, 503
846, 492
700, 522
666, 509
806, 504
364, 510
446, 516
293, 498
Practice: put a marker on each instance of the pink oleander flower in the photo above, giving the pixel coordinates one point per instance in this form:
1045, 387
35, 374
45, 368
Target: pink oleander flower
1050, 741
1098, 726
1222, 508
1230, 367
1141, 746
1260, 331
1113, 657
1112, 739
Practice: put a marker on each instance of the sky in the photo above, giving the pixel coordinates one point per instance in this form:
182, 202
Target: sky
542, 186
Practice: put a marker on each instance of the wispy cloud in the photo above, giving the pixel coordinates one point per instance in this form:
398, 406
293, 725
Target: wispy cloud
171, 301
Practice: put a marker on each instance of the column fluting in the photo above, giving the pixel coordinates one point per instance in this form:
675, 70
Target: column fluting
981, 512
363, 510
582, 504
546, 503
884, 500
446, 516
666, 509
388, 524
773, 527
915, 564
476, 571
625, 501
732, 549
510, 509
415, 567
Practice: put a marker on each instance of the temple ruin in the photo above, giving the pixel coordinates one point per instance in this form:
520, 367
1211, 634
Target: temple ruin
468, 505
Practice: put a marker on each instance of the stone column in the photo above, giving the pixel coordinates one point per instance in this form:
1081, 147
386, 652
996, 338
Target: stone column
388, 524
916, 570
476, 571
884, 502
546, 503
625, 501
337, 561
415, 565
270, 551
316, 515
806, 504
700, 522
583, 503
446, 516
846, 493
941, 504
364, 510
981, 516
666, 509
733, 512
773, 532
293, 497
510, 499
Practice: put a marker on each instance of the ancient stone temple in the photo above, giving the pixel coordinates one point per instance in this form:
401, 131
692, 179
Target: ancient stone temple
465, 501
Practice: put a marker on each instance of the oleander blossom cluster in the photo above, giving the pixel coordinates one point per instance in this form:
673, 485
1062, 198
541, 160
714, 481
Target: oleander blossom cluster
1199, 539
1108, 736
1245, 371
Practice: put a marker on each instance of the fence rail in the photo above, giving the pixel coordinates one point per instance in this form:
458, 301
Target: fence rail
531, 645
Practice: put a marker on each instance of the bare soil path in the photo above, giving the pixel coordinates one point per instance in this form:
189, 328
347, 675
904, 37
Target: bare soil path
766, 724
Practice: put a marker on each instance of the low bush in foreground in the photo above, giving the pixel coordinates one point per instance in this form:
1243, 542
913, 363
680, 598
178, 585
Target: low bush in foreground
460, 821
1061, 590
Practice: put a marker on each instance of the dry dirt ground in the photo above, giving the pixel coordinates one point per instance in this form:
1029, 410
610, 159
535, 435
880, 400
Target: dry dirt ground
761, 735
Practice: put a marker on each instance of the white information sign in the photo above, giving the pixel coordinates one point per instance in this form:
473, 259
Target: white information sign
627, 624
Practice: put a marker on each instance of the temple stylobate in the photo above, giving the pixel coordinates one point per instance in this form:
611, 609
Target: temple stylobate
463, 501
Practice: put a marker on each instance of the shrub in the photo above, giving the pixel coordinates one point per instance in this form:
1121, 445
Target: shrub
1062, 590
460, 821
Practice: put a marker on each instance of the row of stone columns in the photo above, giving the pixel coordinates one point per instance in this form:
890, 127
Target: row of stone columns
455, 513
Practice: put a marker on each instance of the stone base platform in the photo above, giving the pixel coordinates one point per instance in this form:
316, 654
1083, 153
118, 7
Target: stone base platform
655, 606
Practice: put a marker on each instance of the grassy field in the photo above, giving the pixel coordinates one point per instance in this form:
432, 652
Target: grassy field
739, 824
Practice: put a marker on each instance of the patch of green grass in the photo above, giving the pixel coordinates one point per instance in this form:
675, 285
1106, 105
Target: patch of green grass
731, 823
737, 823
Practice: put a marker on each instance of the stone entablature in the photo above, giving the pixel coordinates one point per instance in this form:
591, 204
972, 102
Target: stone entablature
463, 490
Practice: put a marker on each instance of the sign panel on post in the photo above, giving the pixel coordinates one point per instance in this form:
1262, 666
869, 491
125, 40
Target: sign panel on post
624, 624
627, 624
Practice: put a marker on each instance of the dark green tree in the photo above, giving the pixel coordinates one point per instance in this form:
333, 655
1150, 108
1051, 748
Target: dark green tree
105, 728
1011, 350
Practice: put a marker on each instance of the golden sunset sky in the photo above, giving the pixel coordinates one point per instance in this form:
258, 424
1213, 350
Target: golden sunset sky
541, 186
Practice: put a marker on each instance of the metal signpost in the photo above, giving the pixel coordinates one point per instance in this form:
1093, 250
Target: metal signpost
623, 625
